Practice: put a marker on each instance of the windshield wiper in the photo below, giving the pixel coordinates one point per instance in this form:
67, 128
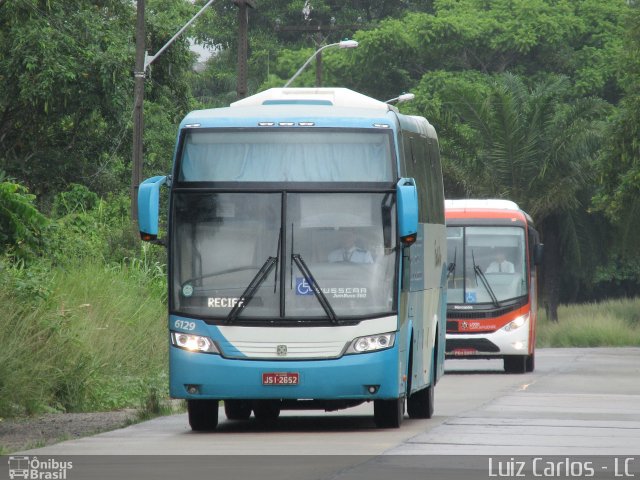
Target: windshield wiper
484, 280
451, 269
315, 288
250, 291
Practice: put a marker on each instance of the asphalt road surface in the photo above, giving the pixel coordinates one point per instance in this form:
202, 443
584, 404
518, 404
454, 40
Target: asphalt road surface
578, 405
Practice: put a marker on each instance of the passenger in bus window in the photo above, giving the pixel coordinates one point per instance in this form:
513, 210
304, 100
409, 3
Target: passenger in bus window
350, 251
500, 265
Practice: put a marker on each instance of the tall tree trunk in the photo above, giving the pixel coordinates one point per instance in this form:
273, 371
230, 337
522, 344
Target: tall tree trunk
551, 267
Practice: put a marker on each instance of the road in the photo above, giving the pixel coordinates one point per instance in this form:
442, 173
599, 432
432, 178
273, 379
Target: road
578, 402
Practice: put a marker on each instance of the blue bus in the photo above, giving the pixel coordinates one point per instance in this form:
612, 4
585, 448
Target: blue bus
307, 257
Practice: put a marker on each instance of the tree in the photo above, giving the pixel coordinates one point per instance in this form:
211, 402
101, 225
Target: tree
64, 87
619, 169
536, 146
532, 38
66, 91
278, 32
21, 223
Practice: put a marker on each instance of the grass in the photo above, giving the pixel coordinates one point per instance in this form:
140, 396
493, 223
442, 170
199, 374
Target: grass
156, 405
613, 323
96, 341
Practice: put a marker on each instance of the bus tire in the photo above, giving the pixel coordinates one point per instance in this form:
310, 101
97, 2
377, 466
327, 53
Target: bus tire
266, 410
531, 362
388, 413
420, 403
203, 415
515, 363
237, 409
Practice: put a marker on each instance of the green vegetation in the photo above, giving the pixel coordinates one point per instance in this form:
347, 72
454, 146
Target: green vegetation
537, 101
96, 341
84, 315
612, 323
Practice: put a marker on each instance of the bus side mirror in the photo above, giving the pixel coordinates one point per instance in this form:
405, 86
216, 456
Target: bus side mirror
407, 211
148, 207
538, 253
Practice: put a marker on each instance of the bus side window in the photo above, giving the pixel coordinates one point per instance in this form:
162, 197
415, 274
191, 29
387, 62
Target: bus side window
420, 163
436, 187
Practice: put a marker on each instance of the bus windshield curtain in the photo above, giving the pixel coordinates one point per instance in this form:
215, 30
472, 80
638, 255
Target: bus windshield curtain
286, 156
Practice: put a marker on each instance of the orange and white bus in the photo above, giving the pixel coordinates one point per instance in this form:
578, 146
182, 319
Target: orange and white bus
493, 253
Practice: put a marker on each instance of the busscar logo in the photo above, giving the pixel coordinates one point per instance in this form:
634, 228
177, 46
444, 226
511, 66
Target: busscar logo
304, 288
33, 468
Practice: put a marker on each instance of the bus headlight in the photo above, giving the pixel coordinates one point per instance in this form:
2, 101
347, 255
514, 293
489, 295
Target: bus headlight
193, 343
516, 323
371, 343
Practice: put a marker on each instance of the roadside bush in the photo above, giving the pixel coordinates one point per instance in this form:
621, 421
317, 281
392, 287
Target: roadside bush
613, 323
21, 224
84, 323
99, 230
96, 342
77, 199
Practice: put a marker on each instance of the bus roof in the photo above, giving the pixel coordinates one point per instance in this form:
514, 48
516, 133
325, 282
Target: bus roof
308, 107
493, 209
338, 97
484, 204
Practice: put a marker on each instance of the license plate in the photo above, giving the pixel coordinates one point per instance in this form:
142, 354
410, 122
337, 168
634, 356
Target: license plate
462, 352
280, 378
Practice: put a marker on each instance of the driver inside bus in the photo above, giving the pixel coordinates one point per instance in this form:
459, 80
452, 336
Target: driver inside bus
349, 251
500, 264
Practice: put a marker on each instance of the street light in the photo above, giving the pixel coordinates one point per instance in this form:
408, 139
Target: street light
148, 59
341, 44
405, 97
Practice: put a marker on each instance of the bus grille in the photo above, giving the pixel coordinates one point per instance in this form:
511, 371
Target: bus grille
479, 344
283, 350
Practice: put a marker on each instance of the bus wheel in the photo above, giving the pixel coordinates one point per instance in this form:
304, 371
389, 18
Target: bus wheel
237, 409
266, 410
420, 403
388, 413
203, 414
531, 362
515, 363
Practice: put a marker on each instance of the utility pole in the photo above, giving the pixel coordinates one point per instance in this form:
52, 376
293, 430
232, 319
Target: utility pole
138, 112
243, 44
318, 41
143, 61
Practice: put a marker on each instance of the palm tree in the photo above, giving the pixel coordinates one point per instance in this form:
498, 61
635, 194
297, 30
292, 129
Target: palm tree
535, 146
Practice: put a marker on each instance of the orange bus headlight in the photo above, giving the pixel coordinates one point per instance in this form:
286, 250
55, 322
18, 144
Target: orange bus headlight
516, 323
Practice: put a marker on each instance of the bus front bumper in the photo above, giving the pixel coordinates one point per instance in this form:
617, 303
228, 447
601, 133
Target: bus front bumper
489, 345
366, 376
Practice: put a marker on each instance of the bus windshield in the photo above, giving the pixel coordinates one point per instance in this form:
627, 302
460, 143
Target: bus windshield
486, 264
322, 155
279, 243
